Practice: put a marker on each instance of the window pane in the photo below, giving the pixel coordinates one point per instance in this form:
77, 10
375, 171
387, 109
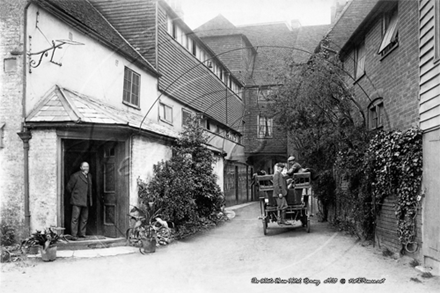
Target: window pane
185, 116
131, 89
168, 114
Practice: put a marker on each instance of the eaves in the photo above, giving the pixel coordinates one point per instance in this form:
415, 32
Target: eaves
75, 23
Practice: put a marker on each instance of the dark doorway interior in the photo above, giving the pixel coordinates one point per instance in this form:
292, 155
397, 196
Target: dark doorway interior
110, 195
76, 152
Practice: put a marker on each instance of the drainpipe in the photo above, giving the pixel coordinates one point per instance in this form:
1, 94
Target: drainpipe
25, 134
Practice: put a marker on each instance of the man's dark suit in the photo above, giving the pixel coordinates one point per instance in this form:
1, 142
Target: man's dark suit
80, 189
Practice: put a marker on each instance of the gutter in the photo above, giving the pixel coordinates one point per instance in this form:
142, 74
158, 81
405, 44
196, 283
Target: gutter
25, 134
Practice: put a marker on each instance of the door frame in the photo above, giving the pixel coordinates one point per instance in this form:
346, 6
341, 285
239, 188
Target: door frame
93, 133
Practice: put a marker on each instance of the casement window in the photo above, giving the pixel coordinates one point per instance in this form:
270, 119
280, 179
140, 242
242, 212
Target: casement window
194, 48
186, 115
189, 43
376, 114
437, 30
131, 87
360, 54
390, 32
165, 113
170, 25
265, 127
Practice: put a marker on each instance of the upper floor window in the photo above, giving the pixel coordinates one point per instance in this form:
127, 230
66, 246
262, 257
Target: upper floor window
131, 87
375, 114
390, 33
360, 60
437, 30
265, 127
165, 113
186, 115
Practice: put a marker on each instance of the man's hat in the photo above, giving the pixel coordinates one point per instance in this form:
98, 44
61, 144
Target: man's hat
291, 158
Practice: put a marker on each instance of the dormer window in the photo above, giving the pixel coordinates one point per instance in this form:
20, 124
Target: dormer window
390, 32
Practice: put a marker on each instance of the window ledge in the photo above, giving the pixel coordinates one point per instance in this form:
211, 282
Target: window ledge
131, 105
389, 51
165, 121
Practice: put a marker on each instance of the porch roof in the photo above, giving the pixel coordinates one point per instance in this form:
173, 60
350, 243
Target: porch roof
64, 105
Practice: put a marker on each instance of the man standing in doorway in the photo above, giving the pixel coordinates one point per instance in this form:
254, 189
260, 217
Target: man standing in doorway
80, 189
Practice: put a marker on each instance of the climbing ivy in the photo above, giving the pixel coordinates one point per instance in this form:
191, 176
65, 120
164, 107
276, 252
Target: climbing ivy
395, 163
389, 164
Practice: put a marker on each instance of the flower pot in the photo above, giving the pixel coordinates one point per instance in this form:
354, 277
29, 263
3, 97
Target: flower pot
33, 250
49, 254
148, 246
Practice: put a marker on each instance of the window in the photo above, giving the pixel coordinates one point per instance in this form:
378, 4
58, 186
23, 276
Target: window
265, 127
165, 113
170, 25
389, 31
2, 124
194, 48
131, 87
437, 30
375, 114
360, 60
185, 116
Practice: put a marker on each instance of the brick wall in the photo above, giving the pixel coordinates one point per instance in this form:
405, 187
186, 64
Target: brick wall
395, 79
11, 91
43, 195
275, 145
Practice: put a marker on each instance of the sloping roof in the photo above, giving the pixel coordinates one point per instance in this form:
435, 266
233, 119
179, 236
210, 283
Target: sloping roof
219, 25
85, 17
349, 20
64, 105
308, 38
273, 43
370, 13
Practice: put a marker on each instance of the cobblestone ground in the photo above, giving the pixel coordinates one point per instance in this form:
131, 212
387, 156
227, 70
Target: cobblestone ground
234, 257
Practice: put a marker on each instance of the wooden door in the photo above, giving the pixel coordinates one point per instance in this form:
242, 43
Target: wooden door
114, 190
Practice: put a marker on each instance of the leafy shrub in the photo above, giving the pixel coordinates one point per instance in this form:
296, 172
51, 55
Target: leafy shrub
185, 186
7, 234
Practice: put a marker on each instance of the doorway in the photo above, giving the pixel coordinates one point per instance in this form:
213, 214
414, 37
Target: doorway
107, 215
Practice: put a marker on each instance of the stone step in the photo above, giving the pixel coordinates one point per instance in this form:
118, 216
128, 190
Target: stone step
91, 242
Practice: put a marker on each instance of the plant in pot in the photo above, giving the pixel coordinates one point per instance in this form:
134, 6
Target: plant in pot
46, 241
146, 225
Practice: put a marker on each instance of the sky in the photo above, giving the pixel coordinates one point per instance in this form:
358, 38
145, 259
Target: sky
239, 12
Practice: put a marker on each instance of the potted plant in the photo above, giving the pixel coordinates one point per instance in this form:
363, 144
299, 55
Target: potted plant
145, 227
46, 241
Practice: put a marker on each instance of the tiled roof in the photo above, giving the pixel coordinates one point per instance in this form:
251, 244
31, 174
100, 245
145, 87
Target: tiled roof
307, 40
87, 17
64, 105
274, 42
350, 19
219, 25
